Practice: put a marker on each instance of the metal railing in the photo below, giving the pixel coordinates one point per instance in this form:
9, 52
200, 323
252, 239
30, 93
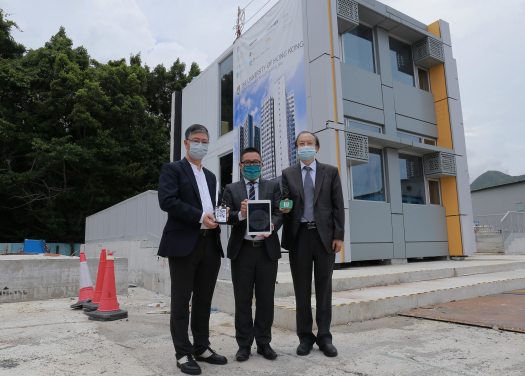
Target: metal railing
488, 233
512, 223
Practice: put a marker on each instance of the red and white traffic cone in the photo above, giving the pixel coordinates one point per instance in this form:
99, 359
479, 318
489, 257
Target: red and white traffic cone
93, 305
86, 286
108, 308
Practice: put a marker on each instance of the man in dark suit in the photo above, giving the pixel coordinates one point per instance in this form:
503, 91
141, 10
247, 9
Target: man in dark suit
313, 233
254, 258
191, 242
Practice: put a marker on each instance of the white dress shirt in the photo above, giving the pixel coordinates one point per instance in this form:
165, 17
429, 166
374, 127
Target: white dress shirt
241, 218
204, 192
313, 165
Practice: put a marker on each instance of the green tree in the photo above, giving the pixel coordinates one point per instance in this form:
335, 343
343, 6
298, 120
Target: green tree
77, 136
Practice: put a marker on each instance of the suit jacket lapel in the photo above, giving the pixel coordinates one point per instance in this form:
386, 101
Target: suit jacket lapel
298, 177
262, 189
241, 190
319, 175
212, 185
189, 171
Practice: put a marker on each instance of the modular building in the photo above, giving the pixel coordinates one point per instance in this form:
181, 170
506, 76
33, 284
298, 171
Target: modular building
380, 90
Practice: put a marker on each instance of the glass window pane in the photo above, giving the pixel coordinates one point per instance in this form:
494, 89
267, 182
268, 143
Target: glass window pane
408, 137
226, 75
358, 48
423, 79
363, 126
401, 61
367, 178
433, 192
430, 142
412, 180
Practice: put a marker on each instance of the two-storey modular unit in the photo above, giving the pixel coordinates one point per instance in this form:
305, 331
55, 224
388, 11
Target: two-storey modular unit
380, 91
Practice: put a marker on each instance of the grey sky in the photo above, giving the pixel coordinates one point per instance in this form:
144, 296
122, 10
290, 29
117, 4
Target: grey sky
487, 38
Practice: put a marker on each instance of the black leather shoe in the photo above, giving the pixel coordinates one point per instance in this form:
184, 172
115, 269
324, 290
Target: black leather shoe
304, 348
210, 356
243, 353
328, 349
188, 365
266, 351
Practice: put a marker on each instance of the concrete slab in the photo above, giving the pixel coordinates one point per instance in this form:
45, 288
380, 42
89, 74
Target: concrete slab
501, 311
38, 277
46, 338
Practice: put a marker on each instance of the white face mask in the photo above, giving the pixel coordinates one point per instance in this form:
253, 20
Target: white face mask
198, 150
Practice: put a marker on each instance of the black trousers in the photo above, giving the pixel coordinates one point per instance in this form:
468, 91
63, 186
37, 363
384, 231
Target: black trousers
253, 268
310, 252
195, 273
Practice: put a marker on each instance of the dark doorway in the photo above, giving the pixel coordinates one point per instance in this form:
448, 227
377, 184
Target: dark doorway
226, 162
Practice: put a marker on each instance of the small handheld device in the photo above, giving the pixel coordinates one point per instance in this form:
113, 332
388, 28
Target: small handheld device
286, 204
221, 212
259, 217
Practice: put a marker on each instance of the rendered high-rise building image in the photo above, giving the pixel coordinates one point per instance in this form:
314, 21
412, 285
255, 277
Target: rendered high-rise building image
290, 127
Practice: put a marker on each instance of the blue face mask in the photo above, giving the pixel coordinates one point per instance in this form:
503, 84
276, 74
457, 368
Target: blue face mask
306, 152
251, 172
198, 150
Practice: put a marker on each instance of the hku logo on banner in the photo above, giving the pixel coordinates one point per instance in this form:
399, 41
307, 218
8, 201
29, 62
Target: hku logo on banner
269, 84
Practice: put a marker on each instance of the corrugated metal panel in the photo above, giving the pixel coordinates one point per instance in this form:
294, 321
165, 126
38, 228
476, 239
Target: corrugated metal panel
138, 218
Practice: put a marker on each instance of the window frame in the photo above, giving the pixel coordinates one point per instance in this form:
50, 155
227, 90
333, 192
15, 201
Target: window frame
428, 180
414, 66
219, 77
374, 49
425, 180
347, 119
383, 172
422, 138
428, 75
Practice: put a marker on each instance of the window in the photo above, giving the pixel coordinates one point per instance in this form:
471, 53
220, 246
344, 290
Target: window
401, 61
433, 192
359, 49
423, 78
414, 138
412, 179
366, 127
226, 164
226, 76
367, 178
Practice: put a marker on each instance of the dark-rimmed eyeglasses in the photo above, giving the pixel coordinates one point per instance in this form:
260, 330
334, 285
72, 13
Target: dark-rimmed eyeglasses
251, 163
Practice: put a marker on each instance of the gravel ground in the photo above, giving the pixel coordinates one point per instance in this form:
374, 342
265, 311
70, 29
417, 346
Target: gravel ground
47, 338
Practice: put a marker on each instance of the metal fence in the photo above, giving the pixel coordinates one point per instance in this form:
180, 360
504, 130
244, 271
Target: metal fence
512, 223
488, 232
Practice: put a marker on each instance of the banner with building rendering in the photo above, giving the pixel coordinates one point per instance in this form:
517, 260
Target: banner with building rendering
269, 88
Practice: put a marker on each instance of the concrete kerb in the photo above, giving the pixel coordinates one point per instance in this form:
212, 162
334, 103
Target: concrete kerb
377, 308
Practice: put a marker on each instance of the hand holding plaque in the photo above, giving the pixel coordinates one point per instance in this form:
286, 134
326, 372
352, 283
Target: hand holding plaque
221, 211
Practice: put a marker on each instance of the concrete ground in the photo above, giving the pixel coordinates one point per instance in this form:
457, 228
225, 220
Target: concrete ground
47, 338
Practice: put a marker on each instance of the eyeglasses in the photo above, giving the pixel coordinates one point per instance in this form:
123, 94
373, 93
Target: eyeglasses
307, 143
251, 163
199, 141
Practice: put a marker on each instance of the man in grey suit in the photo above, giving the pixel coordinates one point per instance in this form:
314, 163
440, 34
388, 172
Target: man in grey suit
313, 232
253, 258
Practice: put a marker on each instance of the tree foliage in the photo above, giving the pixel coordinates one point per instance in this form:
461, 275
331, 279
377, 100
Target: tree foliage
76, 135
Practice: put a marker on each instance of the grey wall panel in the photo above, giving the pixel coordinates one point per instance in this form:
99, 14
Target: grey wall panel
361, 86
369, 16
382, 51
468, 237
359, 112
456, 124
414, 103
424, 223
463, 186
416, 126
389, 111
113, 224
427, 249
498, 199
131, 219
322, 96
451, 73
406, 18
393, 179
306, 49
372, 251
444, 29
141, 219
370, 222
398, 234
121, 224
318, 29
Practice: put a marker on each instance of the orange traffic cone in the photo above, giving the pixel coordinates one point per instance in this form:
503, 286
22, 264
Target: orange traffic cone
108, 309
93, 306
86, 286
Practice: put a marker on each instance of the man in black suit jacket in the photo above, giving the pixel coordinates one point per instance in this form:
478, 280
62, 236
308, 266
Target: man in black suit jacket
254, 259
191, 242
313, 233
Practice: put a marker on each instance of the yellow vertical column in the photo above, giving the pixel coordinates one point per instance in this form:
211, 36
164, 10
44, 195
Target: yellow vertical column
449, 190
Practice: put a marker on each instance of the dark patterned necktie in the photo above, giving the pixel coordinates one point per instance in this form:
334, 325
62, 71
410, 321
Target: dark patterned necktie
251, 196
308, 195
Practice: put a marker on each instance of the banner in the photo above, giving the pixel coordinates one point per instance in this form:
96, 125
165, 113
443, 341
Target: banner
269, 88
